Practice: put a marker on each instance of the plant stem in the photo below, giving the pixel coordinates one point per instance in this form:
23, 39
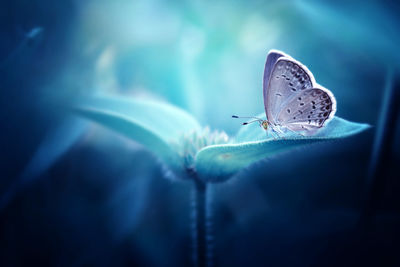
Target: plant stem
202, 252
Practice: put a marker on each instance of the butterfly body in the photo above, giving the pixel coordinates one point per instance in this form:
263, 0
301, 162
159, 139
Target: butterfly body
292, 98
265, 124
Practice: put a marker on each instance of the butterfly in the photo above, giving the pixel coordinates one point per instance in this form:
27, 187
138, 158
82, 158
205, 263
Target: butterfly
293, 100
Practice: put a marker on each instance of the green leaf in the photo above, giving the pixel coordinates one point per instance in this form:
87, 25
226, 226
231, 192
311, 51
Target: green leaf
129, 128
157, 126
218, 163
167, 122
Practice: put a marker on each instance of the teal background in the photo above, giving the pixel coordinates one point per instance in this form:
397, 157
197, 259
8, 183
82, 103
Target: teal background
104, 200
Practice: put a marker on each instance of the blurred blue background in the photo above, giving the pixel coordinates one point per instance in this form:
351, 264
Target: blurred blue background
104, 202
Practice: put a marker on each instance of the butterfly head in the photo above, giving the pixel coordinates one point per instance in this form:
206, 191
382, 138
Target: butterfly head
264, 124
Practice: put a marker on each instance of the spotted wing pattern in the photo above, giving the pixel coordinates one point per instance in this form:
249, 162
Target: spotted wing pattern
272, 58
288, 79
309, 109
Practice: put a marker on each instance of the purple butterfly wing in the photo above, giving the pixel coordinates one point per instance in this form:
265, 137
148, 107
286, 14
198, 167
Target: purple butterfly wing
292, 98
308, 110
288, 77
272, 58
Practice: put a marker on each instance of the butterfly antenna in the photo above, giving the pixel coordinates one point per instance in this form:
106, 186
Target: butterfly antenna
255, 119
245, 123
239, 117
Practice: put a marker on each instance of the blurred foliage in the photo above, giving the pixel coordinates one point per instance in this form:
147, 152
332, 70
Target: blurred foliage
206, 57
177, 139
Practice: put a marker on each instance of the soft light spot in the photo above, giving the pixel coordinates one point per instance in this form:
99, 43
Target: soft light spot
225, 156
106, 58
258, 33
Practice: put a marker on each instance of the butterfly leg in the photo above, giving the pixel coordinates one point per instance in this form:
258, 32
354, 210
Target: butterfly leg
276, 131
271, 132
279, 131
274, 134
298, 133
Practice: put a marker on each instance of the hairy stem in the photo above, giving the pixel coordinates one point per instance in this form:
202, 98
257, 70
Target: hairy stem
202, 236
